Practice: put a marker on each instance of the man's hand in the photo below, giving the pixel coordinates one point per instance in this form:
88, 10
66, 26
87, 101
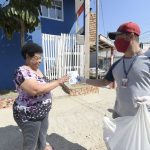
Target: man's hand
143, 99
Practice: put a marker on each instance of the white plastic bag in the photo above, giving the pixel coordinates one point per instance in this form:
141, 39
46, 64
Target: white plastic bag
73, 77
128, 133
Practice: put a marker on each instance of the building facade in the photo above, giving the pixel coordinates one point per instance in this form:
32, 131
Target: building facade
55, 20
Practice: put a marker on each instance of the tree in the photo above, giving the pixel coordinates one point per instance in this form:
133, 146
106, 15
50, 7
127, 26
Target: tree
21, 16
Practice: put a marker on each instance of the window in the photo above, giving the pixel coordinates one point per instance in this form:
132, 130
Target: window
55, 11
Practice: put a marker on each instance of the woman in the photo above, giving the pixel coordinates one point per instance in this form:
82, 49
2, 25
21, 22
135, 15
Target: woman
33, 103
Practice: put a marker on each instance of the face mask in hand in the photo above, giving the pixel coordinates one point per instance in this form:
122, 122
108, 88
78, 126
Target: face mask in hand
121, 45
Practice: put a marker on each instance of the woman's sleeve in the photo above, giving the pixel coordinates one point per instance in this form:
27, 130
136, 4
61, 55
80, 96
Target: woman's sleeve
21, 75
46, 79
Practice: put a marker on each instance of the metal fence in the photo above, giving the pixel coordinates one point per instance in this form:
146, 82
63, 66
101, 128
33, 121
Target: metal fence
61, 55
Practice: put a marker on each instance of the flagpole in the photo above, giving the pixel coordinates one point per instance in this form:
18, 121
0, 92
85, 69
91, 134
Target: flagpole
97, 36
86, 41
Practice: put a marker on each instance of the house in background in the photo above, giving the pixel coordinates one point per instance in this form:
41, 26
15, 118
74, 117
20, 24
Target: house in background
145, 46
56, 20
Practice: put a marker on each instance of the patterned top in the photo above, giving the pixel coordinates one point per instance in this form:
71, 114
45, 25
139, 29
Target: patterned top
24, 102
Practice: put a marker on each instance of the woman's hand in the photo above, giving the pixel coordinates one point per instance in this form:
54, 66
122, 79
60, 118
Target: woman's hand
63, 79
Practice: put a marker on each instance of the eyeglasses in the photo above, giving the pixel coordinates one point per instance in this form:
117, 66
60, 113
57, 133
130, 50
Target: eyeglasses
36, 58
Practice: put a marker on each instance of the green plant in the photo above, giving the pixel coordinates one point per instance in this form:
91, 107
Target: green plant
21, 16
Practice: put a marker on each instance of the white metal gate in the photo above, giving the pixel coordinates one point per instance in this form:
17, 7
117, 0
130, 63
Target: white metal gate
62, 54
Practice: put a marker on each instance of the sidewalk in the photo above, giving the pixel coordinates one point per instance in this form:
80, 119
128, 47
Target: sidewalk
75, 122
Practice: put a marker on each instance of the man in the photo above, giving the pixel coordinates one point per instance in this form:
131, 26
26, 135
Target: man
131, 72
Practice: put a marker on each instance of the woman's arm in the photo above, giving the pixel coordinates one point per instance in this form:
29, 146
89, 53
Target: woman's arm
33, 87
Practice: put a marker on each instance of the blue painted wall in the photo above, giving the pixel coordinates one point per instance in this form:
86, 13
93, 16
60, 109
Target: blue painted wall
10, 58
10, 50
57, 27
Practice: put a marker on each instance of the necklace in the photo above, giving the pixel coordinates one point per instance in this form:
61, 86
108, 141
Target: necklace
124, 83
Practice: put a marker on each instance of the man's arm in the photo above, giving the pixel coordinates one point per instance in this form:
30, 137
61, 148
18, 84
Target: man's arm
109, 78
106, 80
98, 82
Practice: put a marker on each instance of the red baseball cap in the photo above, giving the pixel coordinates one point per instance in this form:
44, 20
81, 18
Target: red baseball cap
129, 27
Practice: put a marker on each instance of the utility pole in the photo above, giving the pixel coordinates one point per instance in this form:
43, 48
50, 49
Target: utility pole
97, 37
87, 45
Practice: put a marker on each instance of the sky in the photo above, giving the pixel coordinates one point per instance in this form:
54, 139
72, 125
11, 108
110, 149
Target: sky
113, 13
